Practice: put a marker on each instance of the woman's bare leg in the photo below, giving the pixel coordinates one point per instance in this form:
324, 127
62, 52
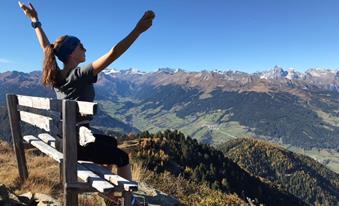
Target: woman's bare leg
125, 172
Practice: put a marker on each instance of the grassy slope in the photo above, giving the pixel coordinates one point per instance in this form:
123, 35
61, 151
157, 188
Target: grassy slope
40, 170
44, 178
199, 125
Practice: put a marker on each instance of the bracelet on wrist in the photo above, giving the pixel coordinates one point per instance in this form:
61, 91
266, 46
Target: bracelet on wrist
36, 24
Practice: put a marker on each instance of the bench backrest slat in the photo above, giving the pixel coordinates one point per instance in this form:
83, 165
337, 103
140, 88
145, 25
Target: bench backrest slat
43, 122
85, 108
45, 113
40, 103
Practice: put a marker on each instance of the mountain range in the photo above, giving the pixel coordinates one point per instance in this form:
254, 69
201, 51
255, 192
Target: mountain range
299, 109
294, 108
213, 110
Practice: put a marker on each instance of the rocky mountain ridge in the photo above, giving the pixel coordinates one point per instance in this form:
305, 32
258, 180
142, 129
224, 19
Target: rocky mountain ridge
300, 110
321, 79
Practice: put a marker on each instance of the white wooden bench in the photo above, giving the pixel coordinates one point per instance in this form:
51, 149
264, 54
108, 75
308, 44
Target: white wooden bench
58, 117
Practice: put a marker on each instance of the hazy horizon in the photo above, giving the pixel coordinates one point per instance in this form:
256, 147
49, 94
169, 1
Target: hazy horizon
186, 70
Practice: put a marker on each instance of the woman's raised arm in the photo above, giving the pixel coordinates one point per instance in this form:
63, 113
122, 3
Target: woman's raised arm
32, 14
144, 23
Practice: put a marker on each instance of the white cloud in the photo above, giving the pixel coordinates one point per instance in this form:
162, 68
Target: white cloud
4, 61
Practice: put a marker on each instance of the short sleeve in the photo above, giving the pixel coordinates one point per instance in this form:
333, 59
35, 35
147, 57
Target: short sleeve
86, 72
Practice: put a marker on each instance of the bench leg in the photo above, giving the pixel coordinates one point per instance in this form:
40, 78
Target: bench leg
70, 197
14, 120
61, 175
127, 198
69, 149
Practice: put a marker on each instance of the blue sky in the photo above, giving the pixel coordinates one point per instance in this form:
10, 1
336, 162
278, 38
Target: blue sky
245, 35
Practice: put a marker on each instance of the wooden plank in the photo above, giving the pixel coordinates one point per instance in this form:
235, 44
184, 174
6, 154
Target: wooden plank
94, 180
83, 173
120, 182
14, 120
48, 113
43, 147
85, 108
39, 103
46, 149
69, 111
55, 141
50, 140
43, 122
81, 187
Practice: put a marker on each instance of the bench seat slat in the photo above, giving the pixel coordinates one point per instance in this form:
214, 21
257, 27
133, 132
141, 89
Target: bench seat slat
83, 173
50, 140
120, 182
94, 180
43, 147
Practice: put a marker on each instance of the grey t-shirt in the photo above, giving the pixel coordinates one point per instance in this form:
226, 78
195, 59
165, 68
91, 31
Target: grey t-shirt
78, 85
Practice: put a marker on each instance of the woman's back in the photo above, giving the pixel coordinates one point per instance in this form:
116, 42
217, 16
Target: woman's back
78, 85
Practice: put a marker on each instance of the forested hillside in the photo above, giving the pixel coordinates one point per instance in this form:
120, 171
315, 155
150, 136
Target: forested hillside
171, 151
297, 174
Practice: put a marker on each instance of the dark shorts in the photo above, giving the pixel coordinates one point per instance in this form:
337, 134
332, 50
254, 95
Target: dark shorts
103, 151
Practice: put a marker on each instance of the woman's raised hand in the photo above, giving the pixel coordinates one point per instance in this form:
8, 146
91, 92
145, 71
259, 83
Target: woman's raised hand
29, 11
145, 22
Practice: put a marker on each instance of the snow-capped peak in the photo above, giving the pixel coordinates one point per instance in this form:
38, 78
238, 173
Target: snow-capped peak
109, 71
292, 74
131, 71
275, 73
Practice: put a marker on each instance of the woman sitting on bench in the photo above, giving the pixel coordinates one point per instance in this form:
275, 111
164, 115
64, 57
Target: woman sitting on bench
73, 82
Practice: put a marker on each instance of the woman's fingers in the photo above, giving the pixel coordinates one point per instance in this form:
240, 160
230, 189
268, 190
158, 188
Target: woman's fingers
29, 11
32, 7
23, 7
146, 21
20, 4
33, 11
149, 15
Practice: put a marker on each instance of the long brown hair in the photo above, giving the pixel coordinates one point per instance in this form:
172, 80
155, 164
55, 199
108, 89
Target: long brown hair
51, 73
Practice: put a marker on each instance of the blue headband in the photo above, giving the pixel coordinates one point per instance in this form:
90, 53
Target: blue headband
66, 48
